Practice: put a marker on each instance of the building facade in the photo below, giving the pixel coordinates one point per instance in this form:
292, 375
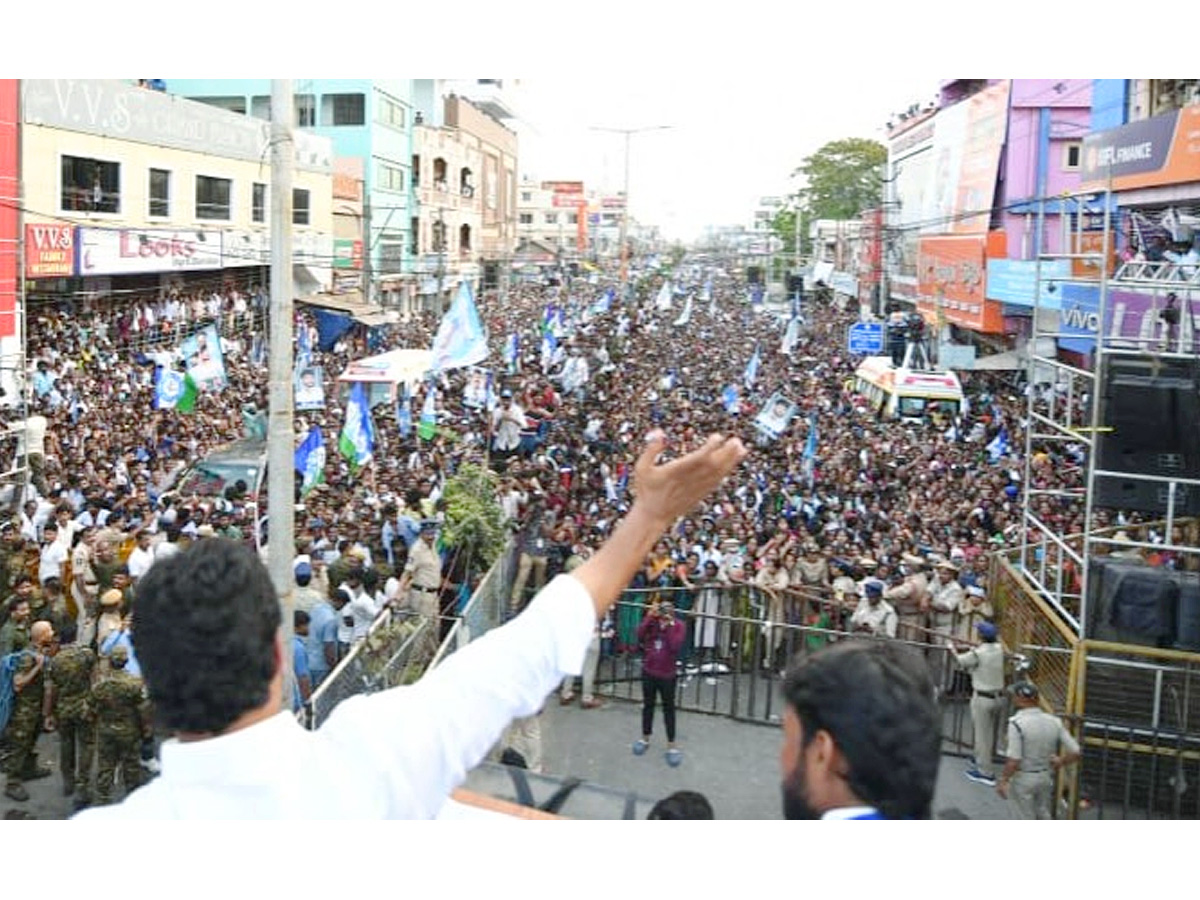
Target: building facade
127, 188
464, 217
369, 120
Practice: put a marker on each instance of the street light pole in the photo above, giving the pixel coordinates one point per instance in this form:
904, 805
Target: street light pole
624, 234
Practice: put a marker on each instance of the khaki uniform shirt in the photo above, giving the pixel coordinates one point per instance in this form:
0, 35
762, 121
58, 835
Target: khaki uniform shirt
986, 663
1034, 736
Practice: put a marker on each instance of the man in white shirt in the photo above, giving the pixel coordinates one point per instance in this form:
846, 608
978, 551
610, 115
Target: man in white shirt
142, 556
507, 421
238, 751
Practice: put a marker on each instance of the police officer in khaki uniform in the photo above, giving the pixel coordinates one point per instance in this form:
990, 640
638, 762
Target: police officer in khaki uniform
910, 599
985, 663
1038, 746
420, 583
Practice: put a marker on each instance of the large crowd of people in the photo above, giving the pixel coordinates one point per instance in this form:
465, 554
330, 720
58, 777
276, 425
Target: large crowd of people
865, 525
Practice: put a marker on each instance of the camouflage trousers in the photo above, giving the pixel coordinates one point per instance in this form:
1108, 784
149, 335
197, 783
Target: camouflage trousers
20, 738
76, 747
116, 751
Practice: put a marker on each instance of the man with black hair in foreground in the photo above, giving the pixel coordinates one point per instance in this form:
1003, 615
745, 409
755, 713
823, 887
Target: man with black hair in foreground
207, 625
861, 734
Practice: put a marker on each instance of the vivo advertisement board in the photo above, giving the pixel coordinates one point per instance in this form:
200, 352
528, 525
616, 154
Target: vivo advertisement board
1013, 281
1131, 321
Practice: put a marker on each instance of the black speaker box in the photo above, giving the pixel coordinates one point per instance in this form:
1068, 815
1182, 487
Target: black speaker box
1152, 407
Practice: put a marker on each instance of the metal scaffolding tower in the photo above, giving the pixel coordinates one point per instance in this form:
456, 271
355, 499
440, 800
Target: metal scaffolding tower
1069, 412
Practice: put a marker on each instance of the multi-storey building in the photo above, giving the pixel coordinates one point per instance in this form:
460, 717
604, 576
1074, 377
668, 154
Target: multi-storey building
368, 120
464, 166
128, 189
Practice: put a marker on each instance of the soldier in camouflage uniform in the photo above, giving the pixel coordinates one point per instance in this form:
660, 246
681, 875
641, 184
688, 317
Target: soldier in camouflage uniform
12, 557
25, 724
70, 683
121, 714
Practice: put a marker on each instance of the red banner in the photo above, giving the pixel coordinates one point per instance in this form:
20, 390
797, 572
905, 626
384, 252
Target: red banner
9, 202
49, 251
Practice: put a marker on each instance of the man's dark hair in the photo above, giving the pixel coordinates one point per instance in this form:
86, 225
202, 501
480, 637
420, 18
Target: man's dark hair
206, 621
67, 632
682, 805
876, 701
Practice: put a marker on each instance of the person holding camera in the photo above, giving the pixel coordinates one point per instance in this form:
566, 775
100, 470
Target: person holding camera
660, 637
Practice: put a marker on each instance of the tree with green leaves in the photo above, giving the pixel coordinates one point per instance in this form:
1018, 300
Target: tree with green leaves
841, 180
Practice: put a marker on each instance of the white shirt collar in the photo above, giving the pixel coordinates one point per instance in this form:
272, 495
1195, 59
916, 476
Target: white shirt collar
848, 812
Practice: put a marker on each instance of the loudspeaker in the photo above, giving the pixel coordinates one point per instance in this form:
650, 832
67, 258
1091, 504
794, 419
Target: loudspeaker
1152, 407
1132, 603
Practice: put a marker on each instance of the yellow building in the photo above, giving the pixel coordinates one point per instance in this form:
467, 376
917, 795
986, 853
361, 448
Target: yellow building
160, 191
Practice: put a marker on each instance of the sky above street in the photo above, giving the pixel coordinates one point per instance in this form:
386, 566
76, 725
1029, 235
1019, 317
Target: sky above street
731, 140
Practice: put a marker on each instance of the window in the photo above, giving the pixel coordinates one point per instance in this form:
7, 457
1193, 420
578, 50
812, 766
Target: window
233, 104
551, 218
160, 193
526, 196
260, 108
572, 218
343, 109
306, 110
526, 218
1071, 155
300, 209
416, 169
390, 112
258, 203
91, 185
390, 178
464, 238
212, 197
438, 232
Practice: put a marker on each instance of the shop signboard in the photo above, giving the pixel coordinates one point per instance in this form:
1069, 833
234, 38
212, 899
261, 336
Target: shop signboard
1132, 320
49, 250
124, 251
951, 277
1149, 152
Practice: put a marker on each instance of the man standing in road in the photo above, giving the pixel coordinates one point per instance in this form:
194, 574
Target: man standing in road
985, 663
70, 684
122, 721
1038, 746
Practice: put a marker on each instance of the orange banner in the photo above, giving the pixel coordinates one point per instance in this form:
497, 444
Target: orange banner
952, 275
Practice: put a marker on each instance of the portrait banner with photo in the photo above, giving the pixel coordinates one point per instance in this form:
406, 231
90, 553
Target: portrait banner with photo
475, 391
775, 416
309, 385
203, 360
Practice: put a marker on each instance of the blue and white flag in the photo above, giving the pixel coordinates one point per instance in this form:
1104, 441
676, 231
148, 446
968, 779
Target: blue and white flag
686, 315
168, 388
310, 460
751, 372
303, 347
427, 427
460, 339
357, 440
791, 335
998, 446
730, 399
810, 445
549, 350
663, 301
404, 413
512, 351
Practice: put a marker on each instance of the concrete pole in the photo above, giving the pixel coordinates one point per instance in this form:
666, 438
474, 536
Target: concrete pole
624, 237
281, 441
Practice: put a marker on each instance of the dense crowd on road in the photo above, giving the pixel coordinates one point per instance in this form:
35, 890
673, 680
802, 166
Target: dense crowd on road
872, 526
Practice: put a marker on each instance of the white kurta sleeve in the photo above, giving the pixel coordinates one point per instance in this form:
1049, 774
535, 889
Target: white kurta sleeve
424, 738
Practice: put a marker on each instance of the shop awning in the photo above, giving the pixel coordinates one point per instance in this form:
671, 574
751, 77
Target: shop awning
351, 303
